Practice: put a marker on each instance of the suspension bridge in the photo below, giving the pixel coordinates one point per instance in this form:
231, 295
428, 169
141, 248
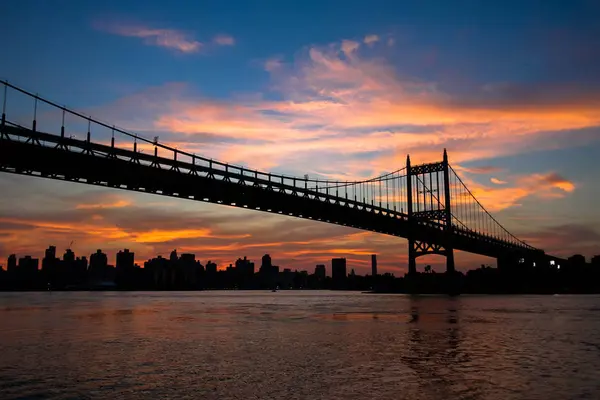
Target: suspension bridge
428, 204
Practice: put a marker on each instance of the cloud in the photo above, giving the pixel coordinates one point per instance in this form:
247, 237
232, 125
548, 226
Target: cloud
358, 113
224, 40
544, 186
485, 169
370, 39
556, 181
169, 38
117, 204
336, 112
349, 47
273, 64
566, 239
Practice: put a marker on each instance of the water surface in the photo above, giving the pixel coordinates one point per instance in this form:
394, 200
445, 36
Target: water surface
297, 345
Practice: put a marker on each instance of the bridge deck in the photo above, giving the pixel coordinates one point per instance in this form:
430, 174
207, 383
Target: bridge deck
23, 151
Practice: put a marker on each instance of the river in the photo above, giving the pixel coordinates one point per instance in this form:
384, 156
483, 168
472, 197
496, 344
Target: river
297, 345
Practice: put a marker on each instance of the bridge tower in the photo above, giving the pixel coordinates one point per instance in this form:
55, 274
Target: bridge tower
428, 201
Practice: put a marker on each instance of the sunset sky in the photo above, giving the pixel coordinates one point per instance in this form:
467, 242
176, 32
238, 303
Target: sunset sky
340, 89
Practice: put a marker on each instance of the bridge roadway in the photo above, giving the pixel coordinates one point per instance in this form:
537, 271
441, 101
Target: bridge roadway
23, 151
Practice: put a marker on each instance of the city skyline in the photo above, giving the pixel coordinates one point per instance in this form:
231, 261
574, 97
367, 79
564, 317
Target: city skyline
113, 260
342, 103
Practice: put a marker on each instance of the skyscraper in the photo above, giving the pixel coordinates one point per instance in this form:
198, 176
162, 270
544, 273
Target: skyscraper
320, 271
338, 272
374, 264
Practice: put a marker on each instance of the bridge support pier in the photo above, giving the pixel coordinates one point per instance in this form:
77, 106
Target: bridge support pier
418, 248
450, 269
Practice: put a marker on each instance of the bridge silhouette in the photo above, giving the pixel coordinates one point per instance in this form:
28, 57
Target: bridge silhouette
428, 204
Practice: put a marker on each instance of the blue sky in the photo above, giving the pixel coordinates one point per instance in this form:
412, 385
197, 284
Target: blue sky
329, 87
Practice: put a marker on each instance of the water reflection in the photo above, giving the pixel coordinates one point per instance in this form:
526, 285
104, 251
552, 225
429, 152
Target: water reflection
297, 345
434, 348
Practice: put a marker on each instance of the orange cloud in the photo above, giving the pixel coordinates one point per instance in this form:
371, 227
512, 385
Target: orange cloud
116, 204
344, 115
339, 104
549, 185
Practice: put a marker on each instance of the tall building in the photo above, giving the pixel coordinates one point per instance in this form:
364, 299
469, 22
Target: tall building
69, 256
50, 253
125, 259
211, 268
28, 265
244, 273
125, 270
320, 271
374, 264
98, 260
268, 272
266, 264
50, 265
98, 270
11, 264
338, 272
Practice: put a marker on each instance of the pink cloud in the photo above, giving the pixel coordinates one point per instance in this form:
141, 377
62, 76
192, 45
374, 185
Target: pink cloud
345, 115
224, 40
331, 93
349, 47
273, 64
168, 38
370, 39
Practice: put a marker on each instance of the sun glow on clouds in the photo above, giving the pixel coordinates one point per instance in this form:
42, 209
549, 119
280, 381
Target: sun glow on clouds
116, 204
543, 186
341, 107
345, 109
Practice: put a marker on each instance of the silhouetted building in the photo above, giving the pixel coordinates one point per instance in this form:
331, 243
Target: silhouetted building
374, 264
69, 256
125, 269
188, 272
596, 261
100, 275
320, 271
338, 273
173, 258
577, 261
98, 260
266, 263
11, 264
28, 266
125, 259
244, 267
158, 273
50, 253
244, 273
286, 279
211, 267
50, 267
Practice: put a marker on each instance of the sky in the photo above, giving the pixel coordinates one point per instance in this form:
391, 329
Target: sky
338, 89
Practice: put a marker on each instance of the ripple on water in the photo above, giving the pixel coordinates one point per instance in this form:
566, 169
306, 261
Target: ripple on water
317, 345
